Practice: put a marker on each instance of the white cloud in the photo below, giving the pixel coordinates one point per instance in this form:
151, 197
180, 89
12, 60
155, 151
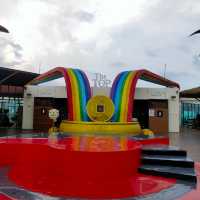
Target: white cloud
103, 35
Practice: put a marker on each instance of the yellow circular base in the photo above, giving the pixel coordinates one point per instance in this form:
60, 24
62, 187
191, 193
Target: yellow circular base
132, 128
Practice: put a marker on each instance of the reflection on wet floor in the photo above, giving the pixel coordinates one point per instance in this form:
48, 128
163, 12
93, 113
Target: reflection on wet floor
189, 140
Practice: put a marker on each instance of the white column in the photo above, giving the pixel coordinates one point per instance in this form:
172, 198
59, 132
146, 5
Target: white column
28, 109
174, 114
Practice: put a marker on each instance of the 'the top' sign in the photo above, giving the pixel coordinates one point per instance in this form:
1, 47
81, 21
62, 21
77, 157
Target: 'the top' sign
101, 80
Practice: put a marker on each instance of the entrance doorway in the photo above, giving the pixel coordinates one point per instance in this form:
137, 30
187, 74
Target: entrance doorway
141, 112
41, 120
158, 121
152, 114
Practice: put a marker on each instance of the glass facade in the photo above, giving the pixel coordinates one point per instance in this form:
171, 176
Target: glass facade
189, 112
11, 111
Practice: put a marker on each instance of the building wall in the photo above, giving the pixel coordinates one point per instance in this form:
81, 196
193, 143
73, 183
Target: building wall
169, 94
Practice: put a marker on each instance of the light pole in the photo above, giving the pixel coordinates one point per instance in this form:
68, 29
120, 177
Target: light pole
3, 29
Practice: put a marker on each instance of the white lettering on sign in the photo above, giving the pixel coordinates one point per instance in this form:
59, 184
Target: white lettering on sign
101, 80
157, 93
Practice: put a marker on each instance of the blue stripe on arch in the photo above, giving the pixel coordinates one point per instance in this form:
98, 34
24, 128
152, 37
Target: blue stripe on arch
114, 86
86, 93
114, 93
86, 84
81, 90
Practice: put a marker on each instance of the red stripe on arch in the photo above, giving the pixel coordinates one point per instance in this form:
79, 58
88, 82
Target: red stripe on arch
69, 95
63, 72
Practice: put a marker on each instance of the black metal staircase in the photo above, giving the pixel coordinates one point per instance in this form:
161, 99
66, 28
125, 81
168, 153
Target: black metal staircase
169, 162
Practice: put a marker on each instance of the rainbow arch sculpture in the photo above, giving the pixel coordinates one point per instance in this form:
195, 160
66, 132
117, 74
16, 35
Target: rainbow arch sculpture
122, 94
77, 88
123, 91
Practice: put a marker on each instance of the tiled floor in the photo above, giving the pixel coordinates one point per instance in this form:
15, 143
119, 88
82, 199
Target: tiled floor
188, 139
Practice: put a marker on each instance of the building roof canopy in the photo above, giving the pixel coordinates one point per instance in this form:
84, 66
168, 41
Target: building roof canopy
191, 93
15, 77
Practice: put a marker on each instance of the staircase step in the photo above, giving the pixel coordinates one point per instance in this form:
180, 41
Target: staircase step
178, 161
163, 150
187, 174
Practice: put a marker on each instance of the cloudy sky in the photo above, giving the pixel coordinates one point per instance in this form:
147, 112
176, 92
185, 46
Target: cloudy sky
105, 36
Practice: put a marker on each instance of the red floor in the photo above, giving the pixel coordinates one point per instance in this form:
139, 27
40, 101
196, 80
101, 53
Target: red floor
90, 167
34, 159
5, 197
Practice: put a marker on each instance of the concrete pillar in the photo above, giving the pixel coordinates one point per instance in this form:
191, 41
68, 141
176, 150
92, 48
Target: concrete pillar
173, 112
28, 110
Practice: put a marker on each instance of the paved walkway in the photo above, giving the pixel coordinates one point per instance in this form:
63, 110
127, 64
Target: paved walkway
188, 139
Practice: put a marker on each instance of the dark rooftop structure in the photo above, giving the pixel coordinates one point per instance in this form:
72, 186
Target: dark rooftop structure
3, 29
191, 93
15, 77
12, 81
12, 84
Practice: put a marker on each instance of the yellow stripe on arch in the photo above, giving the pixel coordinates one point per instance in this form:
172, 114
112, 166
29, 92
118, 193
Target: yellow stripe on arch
125, 97
127, 94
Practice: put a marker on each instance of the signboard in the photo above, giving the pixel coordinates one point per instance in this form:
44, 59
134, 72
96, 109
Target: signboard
101, 80
151, 113
159, 113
